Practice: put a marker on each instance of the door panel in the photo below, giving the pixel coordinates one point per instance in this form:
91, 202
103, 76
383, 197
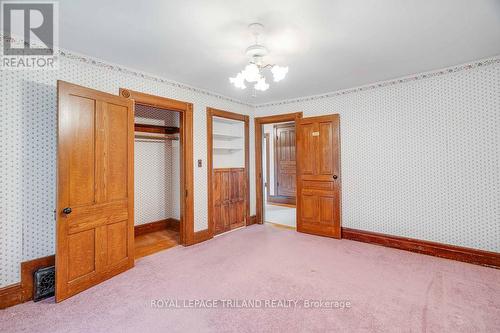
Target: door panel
81, 254
285, 160
225, 216
306, 147
238, 198
117, 241
81, 160
95, 183
325, 209
318, 178
218, 226
309, 205
116, 140
325, 148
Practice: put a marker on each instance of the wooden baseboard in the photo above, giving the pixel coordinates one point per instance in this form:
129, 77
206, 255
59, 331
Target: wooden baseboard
23, 291
201, 236
11, 295
472, 256
170, 223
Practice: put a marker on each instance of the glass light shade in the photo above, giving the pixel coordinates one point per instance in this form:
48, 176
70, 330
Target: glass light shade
261, 85
251, 73
238, 81
279, 73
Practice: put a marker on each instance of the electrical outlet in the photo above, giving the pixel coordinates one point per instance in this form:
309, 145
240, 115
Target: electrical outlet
200, 163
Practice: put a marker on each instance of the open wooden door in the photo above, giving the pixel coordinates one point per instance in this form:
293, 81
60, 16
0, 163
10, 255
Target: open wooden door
285, 161
318, 176
95, 188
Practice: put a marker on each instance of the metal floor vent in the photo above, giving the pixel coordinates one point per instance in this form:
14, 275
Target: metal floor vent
44, 283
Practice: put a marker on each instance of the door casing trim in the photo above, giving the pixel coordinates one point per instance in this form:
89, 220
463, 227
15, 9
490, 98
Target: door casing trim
212, 112
187, 234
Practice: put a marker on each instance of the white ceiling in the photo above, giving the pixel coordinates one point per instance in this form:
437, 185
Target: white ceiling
328, 45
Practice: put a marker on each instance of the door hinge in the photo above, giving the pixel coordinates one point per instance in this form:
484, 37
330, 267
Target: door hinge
277, 184
186, 193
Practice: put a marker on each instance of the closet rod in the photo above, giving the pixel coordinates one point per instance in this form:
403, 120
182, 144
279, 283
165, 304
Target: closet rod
156, 129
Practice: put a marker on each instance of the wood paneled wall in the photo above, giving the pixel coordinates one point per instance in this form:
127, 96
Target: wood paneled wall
229, 204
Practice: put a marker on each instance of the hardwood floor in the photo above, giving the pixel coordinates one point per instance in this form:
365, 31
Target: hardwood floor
155, 241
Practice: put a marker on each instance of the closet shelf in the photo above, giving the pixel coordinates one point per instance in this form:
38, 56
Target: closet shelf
222, 136
156, 129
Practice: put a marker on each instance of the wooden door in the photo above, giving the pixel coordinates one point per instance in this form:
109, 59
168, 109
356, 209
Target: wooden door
285, 170
318, 174
95, 194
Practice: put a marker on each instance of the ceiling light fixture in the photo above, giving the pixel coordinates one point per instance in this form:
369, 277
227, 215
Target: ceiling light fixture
253, 72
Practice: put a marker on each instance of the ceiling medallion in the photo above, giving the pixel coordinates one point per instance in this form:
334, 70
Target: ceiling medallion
253, 72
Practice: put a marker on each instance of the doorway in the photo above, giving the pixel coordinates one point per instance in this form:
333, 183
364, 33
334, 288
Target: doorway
157, 166
317, 172
279, 176
275, 159
280, 180
170, 123
227, 171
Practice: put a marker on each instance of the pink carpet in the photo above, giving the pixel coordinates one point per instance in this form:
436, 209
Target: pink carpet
389, 290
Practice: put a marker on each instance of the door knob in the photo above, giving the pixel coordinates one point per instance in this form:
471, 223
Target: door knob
335, 177
67, 210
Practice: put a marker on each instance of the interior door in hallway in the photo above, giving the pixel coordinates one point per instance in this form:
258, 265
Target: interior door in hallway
285, 161
95, 194
318, 175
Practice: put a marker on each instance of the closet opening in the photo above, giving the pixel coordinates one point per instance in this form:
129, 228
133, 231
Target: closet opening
228, 171
163, 173
157, 166
276, 165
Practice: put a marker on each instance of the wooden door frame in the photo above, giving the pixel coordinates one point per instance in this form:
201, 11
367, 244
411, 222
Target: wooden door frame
259, 121
268, 193
187, 234
212, 112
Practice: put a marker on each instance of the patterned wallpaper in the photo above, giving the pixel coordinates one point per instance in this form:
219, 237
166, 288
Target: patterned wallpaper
421, 155
157, 181
28, 148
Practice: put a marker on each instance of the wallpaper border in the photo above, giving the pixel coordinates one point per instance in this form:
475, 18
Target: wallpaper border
379, 84
123, 69
391, 82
